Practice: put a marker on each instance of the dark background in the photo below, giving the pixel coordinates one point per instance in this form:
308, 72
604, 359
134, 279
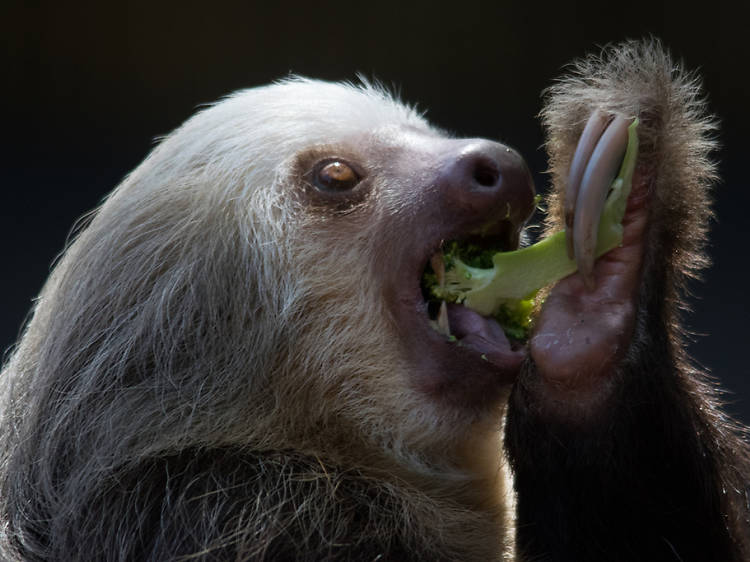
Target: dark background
90, 86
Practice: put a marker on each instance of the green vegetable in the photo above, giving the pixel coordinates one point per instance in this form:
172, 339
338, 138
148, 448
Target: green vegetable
505, 284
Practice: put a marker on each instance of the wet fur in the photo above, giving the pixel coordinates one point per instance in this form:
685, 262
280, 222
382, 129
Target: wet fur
184, 389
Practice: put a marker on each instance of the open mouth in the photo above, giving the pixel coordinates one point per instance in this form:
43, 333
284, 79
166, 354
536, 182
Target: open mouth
496, 338
496, 318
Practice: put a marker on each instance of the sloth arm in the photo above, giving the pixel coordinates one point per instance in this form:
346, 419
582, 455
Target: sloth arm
619, 447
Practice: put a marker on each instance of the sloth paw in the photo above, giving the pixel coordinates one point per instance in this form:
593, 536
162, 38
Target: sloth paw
587, 321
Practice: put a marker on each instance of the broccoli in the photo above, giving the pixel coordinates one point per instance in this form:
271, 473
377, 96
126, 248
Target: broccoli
505, 284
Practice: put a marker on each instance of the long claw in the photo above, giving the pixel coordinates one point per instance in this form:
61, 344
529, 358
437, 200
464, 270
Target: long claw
597, 179
593, 130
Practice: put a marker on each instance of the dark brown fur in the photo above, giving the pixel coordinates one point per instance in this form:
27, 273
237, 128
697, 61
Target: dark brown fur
655, 471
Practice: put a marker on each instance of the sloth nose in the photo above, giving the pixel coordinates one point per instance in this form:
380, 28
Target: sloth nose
482, 177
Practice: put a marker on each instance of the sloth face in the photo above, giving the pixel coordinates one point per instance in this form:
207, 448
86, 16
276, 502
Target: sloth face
396, 194
267, 258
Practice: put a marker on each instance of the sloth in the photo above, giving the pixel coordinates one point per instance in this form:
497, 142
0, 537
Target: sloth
234, 360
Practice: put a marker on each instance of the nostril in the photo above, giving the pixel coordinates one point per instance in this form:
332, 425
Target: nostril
481, 178
486, 173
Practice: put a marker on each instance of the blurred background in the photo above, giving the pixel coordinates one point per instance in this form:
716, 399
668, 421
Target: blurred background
89, 87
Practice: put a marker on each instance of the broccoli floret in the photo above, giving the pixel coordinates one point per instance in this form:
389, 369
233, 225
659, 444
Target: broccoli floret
505, 284
471, 254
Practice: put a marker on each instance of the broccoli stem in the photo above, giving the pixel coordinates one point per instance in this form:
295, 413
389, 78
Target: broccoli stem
519, 275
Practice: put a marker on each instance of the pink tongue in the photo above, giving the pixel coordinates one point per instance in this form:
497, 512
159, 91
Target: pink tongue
483, 335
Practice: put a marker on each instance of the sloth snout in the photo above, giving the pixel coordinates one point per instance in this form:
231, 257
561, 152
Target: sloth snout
487, 177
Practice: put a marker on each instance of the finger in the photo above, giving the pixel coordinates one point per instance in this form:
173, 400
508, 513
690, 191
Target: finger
600, 172
593, 130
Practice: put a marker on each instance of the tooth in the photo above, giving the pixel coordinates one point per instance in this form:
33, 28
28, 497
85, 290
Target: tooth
600, 171
437, 262
591, 132
442, 319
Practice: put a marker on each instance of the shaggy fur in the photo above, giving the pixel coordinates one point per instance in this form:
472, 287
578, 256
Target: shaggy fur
661, 466
211, 373
206, 309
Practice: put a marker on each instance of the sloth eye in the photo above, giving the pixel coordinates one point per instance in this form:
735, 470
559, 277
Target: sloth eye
335, 175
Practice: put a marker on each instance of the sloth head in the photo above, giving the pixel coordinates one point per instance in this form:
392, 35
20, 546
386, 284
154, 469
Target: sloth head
257, 281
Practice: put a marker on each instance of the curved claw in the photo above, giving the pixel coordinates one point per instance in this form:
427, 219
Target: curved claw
593, 130
600, 172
